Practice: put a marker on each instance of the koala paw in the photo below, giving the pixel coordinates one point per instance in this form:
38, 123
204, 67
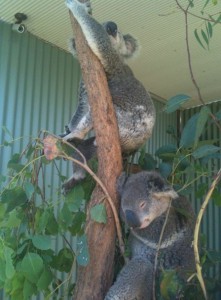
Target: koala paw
74, 5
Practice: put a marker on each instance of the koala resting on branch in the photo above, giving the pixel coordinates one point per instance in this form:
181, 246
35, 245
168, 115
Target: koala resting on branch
133, 105
145, 198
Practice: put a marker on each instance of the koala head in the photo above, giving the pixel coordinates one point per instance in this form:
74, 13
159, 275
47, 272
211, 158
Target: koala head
126, 45
144, 197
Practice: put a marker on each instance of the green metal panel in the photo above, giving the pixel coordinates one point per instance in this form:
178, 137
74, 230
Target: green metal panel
38, 90
38, 87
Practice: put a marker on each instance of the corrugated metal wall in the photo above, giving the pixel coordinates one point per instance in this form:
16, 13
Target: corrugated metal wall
38, 90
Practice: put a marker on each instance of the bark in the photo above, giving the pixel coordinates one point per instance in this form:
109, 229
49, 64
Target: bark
94, 280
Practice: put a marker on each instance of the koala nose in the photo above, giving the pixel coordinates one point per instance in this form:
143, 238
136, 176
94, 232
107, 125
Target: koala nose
132, 219
111, 28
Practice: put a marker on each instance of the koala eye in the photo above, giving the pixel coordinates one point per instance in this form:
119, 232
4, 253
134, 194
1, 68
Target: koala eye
142, 204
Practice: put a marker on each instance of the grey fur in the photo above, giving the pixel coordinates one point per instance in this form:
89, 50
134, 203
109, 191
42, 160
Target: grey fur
145, 198
133, 105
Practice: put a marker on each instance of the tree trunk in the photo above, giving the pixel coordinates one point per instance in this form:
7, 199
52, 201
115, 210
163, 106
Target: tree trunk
94, 280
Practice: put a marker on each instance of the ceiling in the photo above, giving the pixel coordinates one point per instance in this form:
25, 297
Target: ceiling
159, 26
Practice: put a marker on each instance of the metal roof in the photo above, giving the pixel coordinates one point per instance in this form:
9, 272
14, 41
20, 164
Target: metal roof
159, 26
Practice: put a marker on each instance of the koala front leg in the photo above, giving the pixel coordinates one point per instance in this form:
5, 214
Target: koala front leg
134, 282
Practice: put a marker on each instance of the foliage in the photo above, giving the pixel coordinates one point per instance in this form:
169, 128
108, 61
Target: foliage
29, 222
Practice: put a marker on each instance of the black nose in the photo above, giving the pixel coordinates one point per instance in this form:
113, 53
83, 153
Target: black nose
111, 28
132, 219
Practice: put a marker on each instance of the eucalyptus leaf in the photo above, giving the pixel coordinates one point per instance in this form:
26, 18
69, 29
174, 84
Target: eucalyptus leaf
201, 122
147, 162
175, 102
98, 213
189, 132
205, 150
205, 37
165, 169
198, 39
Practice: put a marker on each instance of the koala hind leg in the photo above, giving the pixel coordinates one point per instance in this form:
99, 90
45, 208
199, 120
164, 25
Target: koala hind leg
134, 282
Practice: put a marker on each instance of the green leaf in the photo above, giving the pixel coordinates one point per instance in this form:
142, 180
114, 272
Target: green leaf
63, 261
12, 221
165, 169
175, 102
77, 226
147, 162
167, 152
216, 196
9, 267
32, 266
98, 213
188, 134
41, 219
45, 279
29, 189
82, 253
75, 198
201, 122
2, 270
205, 150
198, 39
14, 198
66, 215
205, 37
210, 29
29, 289
41, 242
14, 163
52, 225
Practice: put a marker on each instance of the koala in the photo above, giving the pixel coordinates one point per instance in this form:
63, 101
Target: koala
145, 199
133, 105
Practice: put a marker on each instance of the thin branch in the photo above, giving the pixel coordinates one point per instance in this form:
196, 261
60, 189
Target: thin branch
114, 210
196, 232
185, 11
100, 183
158, 250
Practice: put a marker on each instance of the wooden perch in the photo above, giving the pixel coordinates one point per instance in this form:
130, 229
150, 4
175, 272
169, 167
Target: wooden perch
94, 280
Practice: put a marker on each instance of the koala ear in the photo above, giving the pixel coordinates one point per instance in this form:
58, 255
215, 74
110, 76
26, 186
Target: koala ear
169, 193
131, 46
120, 183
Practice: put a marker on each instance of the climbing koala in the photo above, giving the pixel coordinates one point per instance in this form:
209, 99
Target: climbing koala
145, 199
133, 105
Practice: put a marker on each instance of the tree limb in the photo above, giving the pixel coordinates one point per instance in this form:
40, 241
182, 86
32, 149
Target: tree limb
94, 280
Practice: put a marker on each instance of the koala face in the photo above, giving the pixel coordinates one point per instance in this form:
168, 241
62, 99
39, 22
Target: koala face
125, 45
144, 197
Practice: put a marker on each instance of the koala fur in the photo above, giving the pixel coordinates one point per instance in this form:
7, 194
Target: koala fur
133, 105
145, 198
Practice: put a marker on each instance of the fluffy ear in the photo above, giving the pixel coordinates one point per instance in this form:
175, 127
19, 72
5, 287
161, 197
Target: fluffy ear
121, 182
131, 46
168, 193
